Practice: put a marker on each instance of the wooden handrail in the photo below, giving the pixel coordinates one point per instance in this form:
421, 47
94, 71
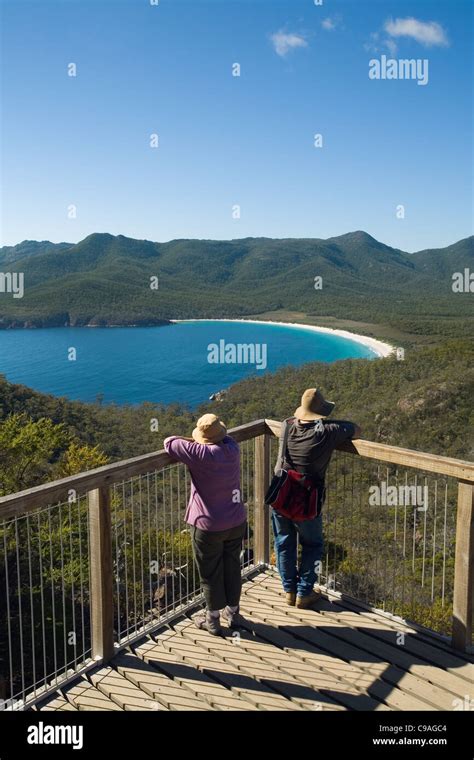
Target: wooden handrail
22, 502
419, 460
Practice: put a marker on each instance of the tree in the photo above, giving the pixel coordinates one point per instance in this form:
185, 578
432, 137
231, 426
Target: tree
27, 449
79, 458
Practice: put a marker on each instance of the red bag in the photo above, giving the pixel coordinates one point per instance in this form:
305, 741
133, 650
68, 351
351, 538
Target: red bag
293, 495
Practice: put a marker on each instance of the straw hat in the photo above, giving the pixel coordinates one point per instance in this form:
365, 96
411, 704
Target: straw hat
209, 429
313, 405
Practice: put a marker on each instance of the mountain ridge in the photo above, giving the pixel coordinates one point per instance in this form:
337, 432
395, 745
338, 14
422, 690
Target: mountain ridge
356, 234
105, 279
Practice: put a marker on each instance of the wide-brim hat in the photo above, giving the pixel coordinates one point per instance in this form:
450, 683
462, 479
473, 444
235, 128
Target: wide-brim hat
209, 429
313, 405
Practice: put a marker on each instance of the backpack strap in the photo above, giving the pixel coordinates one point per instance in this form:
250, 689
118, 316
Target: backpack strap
285, 427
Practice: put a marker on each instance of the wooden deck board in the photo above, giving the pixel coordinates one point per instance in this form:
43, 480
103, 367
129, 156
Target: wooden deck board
146, 676
380, 676
230, 674
84, 696
255, 667
58, 702
365, 682
338, 656
440, 670
344, 682
436, 649
123, 691
216, 674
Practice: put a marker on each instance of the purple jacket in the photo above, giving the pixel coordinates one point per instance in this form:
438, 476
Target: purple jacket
215, 502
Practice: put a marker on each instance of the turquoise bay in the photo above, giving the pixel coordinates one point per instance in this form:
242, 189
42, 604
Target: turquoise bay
128, 365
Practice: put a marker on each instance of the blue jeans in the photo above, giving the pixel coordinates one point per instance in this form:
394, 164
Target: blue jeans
300, 580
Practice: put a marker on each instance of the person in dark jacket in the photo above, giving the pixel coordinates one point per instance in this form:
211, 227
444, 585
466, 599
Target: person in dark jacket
312, 439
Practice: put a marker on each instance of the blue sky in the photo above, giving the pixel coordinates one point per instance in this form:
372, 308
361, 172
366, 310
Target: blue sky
224, 140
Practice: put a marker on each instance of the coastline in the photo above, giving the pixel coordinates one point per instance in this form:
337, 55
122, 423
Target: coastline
380, 348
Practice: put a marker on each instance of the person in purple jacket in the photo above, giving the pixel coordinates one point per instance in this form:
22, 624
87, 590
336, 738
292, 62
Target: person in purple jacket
216, 516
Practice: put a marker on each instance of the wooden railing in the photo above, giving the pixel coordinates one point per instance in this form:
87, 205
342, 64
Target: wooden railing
97, 483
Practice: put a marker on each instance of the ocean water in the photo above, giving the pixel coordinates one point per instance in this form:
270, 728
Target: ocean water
128, 365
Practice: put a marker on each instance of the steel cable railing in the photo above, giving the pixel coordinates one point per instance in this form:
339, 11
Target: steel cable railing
44, 602
390, 539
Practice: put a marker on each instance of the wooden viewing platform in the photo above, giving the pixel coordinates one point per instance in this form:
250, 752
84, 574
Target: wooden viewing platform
338, 656
99, 587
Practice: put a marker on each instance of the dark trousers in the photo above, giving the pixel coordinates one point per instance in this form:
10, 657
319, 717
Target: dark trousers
217, 556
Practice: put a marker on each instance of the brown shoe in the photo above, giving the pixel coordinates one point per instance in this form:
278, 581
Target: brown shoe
290, 599
208, 622
303, 602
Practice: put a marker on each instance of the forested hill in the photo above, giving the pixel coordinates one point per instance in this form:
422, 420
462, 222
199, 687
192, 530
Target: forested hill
424, 402
105, 279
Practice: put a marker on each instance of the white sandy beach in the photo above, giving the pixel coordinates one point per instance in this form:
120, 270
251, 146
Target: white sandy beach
377, 346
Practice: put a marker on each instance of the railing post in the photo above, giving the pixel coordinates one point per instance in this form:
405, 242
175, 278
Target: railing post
464, 568
102, 605
262, 512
